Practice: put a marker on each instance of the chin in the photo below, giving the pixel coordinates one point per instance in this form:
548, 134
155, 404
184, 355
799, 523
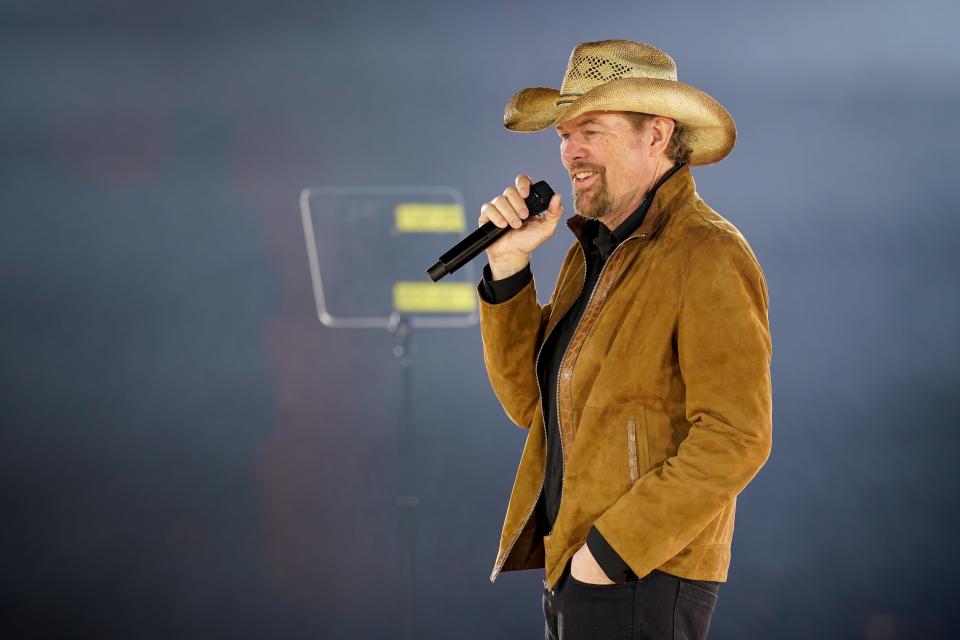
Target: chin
587, 207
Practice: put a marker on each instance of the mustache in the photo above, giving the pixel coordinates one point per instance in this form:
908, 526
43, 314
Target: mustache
577, 168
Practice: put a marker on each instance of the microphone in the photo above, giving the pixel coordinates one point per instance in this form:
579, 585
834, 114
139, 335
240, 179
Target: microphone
488, 233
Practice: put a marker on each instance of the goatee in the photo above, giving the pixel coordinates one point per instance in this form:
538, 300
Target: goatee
597, 203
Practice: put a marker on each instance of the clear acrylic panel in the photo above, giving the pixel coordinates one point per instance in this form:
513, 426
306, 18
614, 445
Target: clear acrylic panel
369, 248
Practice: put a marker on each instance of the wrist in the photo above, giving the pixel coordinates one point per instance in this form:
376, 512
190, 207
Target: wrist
506, 266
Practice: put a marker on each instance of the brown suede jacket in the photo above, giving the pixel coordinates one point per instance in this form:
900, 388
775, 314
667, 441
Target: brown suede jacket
664, 396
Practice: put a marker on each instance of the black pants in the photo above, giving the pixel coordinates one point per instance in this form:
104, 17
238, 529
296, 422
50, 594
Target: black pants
658, 606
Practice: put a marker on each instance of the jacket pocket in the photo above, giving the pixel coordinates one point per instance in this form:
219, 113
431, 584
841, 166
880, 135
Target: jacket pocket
638, 459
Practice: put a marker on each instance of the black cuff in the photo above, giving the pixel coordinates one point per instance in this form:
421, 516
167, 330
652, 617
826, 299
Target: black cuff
608, 559
497, 291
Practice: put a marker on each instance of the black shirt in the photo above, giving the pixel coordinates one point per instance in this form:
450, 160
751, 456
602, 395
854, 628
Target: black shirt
598, 244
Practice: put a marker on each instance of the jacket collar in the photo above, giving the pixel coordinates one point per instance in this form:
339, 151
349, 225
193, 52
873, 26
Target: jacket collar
675, 190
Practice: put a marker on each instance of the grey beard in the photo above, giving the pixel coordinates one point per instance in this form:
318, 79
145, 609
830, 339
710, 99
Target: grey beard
599, 204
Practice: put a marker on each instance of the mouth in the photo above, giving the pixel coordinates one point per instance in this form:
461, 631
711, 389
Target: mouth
583, 179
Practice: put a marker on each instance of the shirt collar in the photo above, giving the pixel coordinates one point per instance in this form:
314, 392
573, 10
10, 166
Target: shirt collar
606, 240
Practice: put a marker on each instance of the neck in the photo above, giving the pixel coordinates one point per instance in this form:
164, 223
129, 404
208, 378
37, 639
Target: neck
612, 222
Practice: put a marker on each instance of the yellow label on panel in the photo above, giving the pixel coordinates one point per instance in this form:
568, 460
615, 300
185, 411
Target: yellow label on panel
434, 297
412, 217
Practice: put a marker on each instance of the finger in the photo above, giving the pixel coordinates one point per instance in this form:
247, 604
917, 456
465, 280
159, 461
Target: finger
555, 209
511, 194
507, 211
523, 183
490, 213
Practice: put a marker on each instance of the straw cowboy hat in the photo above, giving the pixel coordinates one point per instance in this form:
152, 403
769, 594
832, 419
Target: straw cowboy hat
622, 75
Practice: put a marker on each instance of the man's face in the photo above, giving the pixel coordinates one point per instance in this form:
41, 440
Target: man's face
606, 160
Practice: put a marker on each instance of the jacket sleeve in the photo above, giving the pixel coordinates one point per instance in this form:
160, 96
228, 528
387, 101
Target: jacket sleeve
724, 350
511, 332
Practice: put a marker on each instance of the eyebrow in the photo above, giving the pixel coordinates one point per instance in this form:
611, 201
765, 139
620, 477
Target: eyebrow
592, 121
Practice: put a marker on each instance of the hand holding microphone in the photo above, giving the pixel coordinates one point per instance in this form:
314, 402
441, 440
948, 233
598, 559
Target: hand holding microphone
511, 253
507, 230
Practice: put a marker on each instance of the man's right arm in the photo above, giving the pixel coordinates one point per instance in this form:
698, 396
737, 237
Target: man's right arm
511, 318
511, 328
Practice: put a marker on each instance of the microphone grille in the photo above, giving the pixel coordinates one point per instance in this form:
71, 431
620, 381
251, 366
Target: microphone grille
540, 194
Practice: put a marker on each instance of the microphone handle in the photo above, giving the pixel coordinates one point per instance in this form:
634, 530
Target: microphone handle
466, 250
488, 233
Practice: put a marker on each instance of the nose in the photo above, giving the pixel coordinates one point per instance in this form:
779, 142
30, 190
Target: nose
572, 150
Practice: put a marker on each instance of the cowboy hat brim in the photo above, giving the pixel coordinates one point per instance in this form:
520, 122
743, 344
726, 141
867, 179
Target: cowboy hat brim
712, 131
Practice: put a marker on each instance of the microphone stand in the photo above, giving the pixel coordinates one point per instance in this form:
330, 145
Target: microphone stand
407, 501
401, 326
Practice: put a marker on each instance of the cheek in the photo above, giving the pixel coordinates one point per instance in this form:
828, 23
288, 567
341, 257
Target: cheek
613, 178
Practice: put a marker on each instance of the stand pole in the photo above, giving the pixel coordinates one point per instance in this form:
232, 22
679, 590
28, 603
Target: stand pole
407, 501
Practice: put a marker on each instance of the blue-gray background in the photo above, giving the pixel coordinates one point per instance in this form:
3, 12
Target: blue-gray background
187, 452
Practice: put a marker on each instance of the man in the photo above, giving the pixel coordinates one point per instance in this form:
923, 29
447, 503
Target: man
644, 383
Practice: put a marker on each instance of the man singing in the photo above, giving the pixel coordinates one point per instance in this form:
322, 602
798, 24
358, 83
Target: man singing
644, 383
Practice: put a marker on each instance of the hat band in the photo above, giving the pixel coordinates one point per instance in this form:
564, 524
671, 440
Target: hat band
572, 96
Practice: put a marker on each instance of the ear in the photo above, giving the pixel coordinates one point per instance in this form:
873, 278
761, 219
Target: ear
660, 129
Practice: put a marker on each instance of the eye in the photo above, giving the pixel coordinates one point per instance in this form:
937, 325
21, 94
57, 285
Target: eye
589, 132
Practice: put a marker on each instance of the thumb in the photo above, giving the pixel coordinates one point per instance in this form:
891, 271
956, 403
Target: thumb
555, 210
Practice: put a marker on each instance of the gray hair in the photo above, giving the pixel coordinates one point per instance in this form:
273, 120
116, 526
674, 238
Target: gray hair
678, 147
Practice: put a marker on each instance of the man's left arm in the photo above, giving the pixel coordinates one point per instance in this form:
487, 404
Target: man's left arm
724, 350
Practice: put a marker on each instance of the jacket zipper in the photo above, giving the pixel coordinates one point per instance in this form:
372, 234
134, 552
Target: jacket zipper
633, 459
563, 472
536, 365
536, 373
